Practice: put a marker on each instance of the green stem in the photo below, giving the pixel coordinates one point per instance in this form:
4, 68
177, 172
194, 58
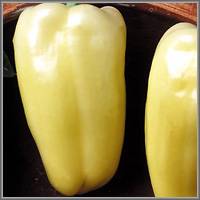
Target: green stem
70, 4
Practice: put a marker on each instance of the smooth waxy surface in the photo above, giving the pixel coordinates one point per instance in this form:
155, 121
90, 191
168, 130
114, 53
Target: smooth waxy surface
70, 69
171, 113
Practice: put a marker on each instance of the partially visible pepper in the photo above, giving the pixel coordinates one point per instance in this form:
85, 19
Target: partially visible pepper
171, 114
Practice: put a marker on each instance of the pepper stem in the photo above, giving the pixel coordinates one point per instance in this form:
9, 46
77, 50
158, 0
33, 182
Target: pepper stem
70, 4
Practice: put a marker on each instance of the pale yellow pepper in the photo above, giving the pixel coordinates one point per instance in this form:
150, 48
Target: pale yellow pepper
171, 114
70, 70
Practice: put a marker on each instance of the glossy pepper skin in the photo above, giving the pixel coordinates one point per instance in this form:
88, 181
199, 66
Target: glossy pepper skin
171, 113
70, 70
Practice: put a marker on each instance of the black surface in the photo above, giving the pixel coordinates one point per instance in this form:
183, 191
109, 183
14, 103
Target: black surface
23, 172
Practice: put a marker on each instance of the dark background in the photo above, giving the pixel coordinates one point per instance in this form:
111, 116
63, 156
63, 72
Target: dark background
23, 172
